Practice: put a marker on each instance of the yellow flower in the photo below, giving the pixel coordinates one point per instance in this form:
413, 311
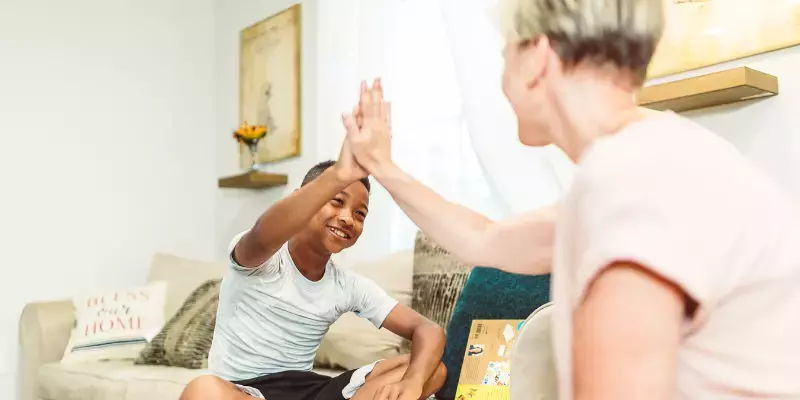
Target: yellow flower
242, 128
251, 131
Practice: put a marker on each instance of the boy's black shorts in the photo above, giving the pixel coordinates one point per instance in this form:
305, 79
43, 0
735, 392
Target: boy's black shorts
297, 385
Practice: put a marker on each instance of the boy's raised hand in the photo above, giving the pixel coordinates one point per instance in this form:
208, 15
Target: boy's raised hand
347, 169
369, 129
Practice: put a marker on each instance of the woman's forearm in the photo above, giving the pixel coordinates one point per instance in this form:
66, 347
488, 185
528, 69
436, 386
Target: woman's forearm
520, 245
452, 226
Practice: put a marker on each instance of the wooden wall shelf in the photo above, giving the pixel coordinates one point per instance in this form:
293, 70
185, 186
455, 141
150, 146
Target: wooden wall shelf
718, 88
253, 180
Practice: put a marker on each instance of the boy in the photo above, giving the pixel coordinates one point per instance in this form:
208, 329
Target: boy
282, 292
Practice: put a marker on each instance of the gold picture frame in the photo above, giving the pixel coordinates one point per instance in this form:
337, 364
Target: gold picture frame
700, 33
270, 84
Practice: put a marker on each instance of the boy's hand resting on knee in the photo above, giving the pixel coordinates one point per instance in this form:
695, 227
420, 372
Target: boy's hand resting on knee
406, 389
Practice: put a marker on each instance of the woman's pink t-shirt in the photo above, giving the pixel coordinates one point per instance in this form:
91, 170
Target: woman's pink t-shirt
675, 198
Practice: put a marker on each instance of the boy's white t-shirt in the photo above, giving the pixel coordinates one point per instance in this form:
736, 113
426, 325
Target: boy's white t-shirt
272, 319
672, 196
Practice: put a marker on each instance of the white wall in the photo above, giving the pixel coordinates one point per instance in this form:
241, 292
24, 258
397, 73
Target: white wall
336, 57
767, 130
237, 209
330, 75
106, 153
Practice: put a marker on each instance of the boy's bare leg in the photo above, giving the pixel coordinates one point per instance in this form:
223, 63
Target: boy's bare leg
391, 371
389, 364
209, 387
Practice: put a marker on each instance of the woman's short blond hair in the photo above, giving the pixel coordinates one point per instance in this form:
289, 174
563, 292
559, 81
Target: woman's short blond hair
624, 33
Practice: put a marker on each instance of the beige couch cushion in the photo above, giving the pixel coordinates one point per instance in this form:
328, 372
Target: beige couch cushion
183, 275
353, 342
392, 272
118, 380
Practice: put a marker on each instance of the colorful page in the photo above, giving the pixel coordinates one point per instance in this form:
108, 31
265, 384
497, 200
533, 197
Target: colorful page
486, 373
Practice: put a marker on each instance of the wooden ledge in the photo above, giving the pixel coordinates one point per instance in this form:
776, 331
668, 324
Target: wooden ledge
718, 88
253, 180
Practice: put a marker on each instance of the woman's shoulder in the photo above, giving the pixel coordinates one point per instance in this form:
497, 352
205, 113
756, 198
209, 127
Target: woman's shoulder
660, 146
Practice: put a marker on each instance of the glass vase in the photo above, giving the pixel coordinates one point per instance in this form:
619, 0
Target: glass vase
252, 147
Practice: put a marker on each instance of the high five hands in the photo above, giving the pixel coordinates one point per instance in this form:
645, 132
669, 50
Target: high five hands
369, 137
347, 168
369, 132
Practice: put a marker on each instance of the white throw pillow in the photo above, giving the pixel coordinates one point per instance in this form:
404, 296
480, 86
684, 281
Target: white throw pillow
115, 324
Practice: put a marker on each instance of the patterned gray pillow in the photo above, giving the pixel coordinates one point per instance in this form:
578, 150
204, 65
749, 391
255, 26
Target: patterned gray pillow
185, 340
438, 280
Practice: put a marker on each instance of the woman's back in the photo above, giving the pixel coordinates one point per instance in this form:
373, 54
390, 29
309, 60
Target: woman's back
676, 199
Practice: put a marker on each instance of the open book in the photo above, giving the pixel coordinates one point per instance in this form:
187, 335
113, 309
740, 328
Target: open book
486, 370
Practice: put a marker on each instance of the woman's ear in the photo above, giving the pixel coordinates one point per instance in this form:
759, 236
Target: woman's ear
535, 60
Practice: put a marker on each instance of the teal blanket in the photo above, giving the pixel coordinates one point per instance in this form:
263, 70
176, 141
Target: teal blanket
488, 294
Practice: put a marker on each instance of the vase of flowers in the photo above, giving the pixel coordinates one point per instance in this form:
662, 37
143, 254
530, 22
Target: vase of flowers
250, 135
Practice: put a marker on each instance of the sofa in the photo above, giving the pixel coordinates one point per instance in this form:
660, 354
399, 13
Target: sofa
45, 327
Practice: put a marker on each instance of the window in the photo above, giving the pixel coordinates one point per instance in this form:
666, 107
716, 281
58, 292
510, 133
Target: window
430, 137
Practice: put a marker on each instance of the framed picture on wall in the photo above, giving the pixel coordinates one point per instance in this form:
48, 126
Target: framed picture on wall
269, 84
700, 33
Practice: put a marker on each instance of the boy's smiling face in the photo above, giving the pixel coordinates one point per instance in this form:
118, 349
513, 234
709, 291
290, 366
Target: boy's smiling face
340, 222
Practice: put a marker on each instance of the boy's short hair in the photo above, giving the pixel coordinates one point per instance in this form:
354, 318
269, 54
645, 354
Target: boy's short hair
318, 169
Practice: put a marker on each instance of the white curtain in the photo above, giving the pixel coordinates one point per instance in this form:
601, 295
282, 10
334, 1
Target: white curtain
453, 130
525, 178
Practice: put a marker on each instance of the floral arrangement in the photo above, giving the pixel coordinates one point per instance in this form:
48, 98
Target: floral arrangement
247, 134
250, 135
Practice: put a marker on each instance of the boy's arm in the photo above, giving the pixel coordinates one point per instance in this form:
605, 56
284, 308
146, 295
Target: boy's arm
626, 336
427, 346
285, 218
288, 216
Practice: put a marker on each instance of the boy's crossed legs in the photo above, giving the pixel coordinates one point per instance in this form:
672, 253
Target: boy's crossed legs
391, 371
209, 387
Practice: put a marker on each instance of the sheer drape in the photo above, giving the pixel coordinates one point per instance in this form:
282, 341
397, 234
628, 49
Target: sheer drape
453, 129
525, 178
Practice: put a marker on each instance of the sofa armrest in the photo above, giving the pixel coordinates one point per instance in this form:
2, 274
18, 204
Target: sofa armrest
51, 320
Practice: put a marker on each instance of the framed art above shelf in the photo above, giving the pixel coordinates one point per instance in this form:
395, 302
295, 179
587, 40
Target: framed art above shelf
270, 80
718, 88
253, 180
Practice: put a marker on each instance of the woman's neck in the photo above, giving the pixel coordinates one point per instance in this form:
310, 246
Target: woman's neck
589, 109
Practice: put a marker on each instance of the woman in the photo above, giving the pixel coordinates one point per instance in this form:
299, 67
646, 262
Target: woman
676, 268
